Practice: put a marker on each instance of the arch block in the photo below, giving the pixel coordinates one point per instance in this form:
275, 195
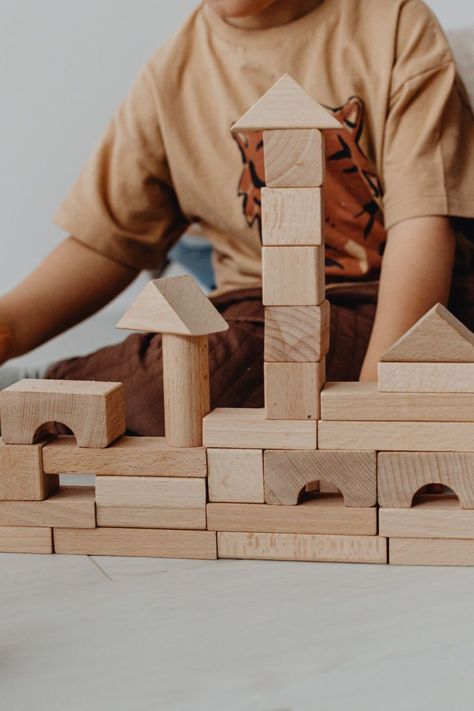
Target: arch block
94, 411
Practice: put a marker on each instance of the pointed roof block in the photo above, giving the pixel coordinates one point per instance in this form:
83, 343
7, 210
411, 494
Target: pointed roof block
286, 105
174, 305
438, 337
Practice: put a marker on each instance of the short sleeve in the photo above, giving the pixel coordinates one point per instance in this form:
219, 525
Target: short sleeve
428, 156
123, 203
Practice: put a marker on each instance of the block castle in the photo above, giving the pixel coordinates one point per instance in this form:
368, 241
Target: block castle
325, 472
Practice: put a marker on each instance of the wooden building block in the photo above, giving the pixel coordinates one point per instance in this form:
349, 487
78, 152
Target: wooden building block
247, 428
397, 436
292, 390
435, 516
402, 474
286, 474
294, 159
21, 473
364, 402
292, 217
325, 514
298, 334
15, 539
429, 551
94, 411
293, 276
139, 542
289, 546
235, 475
426, 377
71, 507
144, 502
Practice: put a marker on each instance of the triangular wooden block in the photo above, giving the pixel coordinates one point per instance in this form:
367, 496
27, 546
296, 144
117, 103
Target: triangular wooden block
174, 305
286, 105
438, 337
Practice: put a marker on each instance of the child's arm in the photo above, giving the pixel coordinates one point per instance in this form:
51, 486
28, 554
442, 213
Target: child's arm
72, 283
416, 273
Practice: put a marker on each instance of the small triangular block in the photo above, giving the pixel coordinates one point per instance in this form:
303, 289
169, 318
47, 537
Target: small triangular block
438, 337
286, 105
174, 305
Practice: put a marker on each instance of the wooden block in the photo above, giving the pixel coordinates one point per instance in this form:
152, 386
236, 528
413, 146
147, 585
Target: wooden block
293, 159
286, 474
293, 276
421, 551
235, 475
144, 502
426, 377
402, 474
71, 507
94, 411
397, 436
297, 334
364, 402
246, 428
292, 390
137, 542
127, 456
435, 516
325, 514
292, 217
21, 473
294, 546
15, 539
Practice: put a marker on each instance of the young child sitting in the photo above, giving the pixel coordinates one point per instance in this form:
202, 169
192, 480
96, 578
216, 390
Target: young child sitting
400, 183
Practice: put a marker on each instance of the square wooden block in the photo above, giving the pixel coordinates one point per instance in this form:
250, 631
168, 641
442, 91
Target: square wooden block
21, 473
235, 475
292, 390
293, 158
298, 334
293, 276
292, 217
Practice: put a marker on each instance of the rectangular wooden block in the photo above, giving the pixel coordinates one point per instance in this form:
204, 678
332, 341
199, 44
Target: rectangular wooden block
426, 377
298, 334
435, 516
397, 436
293, 158
247, 428
15, 539
71, 507
325, 514
430, 551
364, 402
294, 546
128, 456
292, 217
235, 475
292, 390
144, 502
293, 276
137, 542
21, 473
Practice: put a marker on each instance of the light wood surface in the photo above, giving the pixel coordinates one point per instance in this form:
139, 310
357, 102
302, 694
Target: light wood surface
402, 474
292, 390
94, 411
286, 474
293, 276
139, 542
15, 539
429, 551
71, 507
235, 475
298, 334
247, 428
292, 217
426, 377
294, 159
288, 546
21, 473
435, 516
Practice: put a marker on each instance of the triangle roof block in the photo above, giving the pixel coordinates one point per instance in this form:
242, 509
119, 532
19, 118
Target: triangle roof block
438, 337
174, 305
286, 105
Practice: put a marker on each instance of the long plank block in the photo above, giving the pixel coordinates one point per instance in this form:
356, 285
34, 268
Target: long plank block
326, 514
291, 217
293, 158
292, 390
293, 276
21, 473
297, 334
235, 475
426, 377
245, 428
15, 539
128, 456
397, 436
434, 517
294, 546
71, 507
430, 551
138, 542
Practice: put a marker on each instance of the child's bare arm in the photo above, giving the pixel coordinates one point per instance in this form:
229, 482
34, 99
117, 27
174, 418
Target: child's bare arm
72, 283
416, 274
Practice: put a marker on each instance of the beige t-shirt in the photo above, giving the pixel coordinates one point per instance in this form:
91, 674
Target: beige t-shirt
168, 158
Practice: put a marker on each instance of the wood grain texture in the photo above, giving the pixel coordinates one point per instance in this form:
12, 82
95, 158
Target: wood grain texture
435, 516
144, 543
402, 474
292, 390
288, 546
292, 217
21, 473
94, 411
235, 475
294, 159
71, 507
286, 475
426, 377
247, 428
297, 334
293, 276
421, 551
15, 539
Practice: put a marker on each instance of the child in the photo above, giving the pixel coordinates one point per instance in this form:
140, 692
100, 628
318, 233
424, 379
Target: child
398, 173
